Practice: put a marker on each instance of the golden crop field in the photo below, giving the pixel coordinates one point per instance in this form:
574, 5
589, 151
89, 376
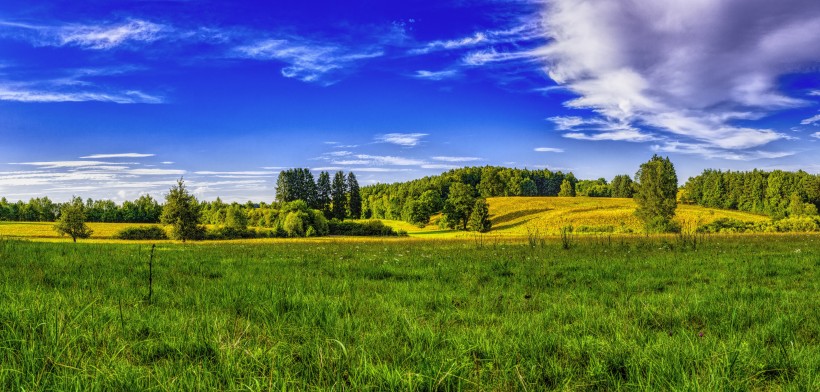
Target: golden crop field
520, 216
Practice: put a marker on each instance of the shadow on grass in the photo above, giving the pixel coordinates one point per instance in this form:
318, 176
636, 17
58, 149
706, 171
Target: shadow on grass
497, 221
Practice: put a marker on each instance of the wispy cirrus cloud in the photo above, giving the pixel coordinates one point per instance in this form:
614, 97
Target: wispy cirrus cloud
401, 139
455, 159
711, 152
811, 120
682, 73
121, 155
436, 75
815, 135
389, 160
101, 36
548, 149
306, 60
37, 93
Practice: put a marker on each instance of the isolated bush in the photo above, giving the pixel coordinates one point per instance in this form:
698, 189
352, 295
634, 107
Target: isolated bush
141, 233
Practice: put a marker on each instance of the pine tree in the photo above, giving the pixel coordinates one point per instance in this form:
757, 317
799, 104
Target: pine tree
480, 217
338, 196
656, 195
354, 200
323, 193
181, 210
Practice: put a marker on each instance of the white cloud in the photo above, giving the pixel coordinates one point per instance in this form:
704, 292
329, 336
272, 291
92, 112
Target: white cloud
815, 135
352, 162
528, 30
811, 120
123, 155
486, 56
63, 164
439, 166
475, 39
436, 75
167, 163
156, 172
455, 159
709, 151
339, 153
688, 69
109, 36
389, 160
21, 93
548, 149
814, 93
91, 36
237, 173
307, 61
402, 139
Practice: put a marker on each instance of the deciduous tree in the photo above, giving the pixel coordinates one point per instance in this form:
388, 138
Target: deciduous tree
72, 220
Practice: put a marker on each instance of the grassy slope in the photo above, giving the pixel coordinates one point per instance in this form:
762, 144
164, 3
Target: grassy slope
739, 313
517, 216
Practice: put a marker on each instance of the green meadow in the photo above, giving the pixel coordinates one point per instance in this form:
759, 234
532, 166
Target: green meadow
609, 313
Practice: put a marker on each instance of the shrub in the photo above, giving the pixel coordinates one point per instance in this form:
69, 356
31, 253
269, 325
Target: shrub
366, 228
229, 233
724, 225
141, 233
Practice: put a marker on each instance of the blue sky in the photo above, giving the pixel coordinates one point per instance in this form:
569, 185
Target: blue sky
114, 99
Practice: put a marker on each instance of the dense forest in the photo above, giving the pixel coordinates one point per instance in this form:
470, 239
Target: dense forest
778, 194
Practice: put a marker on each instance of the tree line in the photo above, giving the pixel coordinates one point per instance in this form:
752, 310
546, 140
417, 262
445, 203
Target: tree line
456, 193
778, 194
145, 209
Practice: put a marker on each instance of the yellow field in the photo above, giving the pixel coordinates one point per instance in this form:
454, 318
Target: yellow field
520, 216
512, 217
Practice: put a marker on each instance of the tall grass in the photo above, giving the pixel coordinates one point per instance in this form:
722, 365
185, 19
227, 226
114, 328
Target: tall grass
736, 313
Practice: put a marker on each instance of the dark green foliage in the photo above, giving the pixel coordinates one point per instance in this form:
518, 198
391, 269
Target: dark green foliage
480, 217
338, 195
459, 205
354, 199
141, 233
323, 194
622, 186
72, 220
657, 194
778, 193
181, 211
366, 228
297, 184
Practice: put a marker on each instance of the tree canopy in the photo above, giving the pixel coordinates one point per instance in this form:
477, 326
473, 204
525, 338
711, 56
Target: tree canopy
181, 211
72, 220
656, 195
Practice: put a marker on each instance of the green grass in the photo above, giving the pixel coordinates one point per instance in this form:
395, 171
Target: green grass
640, 313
